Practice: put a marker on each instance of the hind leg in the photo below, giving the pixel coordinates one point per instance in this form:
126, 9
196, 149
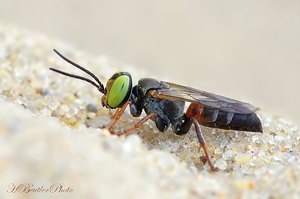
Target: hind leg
185, 127
203, 143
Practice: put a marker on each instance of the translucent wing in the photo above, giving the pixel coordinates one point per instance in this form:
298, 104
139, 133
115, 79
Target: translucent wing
182, 93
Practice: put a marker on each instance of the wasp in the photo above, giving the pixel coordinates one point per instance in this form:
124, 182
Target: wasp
164, 103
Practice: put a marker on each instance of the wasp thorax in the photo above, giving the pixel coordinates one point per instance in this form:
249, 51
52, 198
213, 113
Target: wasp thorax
118, 90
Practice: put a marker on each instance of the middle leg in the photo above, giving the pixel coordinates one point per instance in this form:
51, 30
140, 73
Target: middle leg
135, 126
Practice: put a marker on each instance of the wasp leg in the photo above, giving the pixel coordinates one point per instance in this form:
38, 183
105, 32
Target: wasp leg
117, 116
112, 116
137, 125
203, 143
184, 127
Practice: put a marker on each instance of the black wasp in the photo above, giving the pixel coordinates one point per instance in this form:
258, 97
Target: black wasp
164, 102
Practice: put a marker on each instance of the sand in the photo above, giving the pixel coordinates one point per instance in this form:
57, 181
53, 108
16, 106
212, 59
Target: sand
54, 142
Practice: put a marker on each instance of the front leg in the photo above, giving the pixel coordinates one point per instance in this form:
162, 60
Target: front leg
117, 116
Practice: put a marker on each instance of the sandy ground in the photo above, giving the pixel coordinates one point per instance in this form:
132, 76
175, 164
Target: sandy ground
54, 144
247, 50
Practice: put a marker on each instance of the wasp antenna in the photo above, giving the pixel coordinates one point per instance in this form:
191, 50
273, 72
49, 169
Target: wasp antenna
100, 86
77, 77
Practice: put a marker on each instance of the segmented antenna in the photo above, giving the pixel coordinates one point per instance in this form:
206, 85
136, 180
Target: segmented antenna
97, 84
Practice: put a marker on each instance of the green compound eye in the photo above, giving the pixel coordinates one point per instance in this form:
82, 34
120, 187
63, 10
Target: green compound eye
120, 89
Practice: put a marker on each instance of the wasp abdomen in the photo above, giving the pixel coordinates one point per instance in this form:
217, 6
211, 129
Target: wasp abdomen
224, 118
218, 118
246, 122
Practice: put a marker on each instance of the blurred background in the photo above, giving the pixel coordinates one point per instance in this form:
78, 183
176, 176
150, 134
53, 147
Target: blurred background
248, 50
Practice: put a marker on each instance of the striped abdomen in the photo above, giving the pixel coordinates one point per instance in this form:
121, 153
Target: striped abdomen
218, 118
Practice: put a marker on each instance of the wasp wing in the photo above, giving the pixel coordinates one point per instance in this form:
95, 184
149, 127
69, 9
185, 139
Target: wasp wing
177, 92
